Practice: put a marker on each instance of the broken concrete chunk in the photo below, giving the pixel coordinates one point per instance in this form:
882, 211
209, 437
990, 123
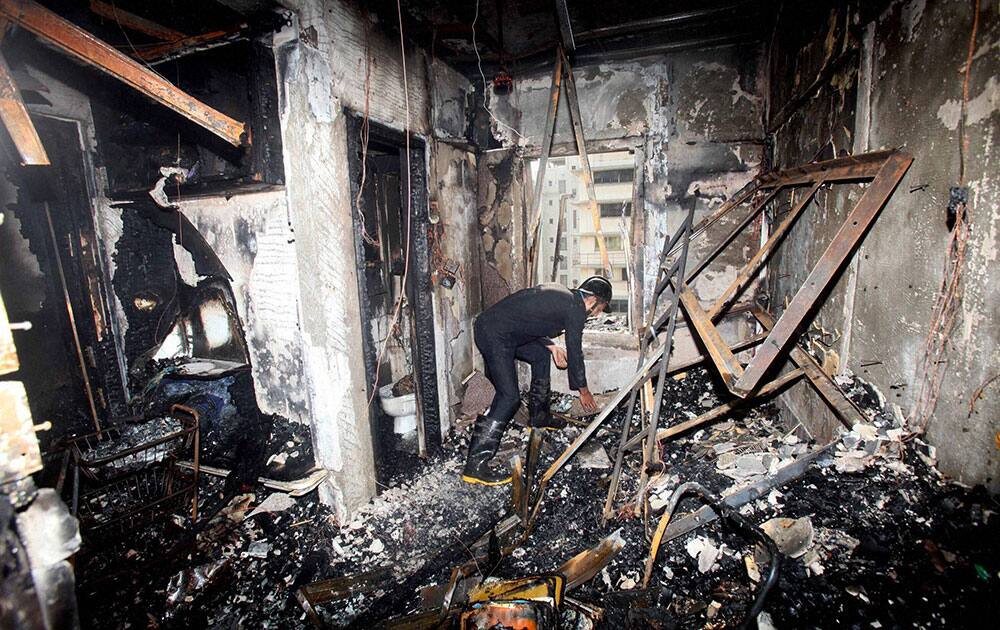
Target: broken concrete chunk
593, 455
705, 552
376, 547
764, 622
723, 447
275, 502
259, 549
865, 431
746, 466
792, 536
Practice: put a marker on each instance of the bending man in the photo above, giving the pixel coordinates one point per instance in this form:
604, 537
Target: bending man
520, 327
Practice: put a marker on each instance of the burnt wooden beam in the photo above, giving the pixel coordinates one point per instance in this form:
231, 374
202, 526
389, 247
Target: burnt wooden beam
134, 22
87, 48
844, 242
15, 118
187, 45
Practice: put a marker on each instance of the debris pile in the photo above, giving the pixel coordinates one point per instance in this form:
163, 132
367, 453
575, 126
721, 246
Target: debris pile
891, 543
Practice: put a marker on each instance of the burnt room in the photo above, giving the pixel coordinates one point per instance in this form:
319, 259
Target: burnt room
499, 314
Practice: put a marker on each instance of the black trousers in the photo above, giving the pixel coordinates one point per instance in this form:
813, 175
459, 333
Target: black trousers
499, 358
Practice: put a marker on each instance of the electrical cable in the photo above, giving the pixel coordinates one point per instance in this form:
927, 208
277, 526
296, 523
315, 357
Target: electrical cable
479, 64
949, 296
409, 209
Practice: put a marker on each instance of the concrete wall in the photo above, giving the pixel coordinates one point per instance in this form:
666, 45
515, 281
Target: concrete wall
695, 118
904, 88
696, 115
291, 251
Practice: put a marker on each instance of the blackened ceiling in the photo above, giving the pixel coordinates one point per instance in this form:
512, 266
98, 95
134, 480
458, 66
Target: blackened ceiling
521, 34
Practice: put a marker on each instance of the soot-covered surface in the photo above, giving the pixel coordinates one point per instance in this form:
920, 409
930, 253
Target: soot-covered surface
893, 544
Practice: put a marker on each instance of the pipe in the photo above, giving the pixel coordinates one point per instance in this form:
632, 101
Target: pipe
72, 321
747, 528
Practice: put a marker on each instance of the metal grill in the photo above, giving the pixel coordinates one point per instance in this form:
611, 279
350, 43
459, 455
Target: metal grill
119, 484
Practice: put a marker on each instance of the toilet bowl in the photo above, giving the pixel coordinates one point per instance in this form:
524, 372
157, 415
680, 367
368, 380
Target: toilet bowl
403, 409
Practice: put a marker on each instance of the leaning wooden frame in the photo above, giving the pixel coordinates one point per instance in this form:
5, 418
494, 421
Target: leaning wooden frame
882, 170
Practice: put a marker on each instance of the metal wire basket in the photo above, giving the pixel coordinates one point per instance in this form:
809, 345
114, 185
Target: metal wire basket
120, 482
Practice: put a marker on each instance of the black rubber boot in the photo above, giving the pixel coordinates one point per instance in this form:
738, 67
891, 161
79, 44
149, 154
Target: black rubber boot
539, 416
485, 441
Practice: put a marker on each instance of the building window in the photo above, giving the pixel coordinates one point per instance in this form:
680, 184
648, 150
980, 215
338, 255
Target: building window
624, 273
614, 176
614, 208
572, 249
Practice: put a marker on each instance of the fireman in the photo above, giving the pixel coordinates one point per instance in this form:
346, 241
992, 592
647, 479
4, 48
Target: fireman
520, 327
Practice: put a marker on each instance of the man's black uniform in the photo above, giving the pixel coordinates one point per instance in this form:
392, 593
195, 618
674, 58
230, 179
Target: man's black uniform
520, 326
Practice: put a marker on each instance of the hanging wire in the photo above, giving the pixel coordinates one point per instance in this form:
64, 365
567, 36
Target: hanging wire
479, 63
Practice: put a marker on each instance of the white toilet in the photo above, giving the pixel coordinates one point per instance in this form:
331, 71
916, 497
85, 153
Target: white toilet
403, 409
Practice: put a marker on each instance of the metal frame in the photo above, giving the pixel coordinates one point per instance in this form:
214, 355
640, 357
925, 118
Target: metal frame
664, 277
562, 79
884, 169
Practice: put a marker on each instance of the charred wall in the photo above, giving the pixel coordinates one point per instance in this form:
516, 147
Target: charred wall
884, 78
696, 120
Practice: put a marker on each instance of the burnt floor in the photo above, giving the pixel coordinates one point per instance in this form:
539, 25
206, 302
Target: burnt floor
894, 545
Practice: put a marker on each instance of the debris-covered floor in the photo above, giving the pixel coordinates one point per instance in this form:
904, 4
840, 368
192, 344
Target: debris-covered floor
877, 540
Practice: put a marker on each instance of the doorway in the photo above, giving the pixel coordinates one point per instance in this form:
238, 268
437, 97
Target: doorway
390, 212
53, 282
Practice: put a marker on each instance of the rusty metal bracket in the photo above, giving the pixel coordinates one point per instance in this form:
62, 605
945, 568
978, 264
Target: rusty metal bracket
87, 48
884, 169
15, 118
842, 406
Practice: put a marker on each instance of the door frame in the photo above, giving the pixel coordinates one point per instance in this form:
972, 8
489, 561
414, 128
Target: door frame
419, 287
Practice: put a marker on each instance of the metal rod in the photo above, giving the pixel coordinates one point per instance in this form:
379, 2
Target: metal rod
757, 209
556, 251
651, 455
753, 265
536, 202
72, 321
587, 174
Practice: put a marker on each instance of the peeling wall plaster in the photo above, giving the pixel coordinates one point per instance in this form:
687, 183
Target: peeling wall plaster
700, 117
915, 49
252, 236
454, 188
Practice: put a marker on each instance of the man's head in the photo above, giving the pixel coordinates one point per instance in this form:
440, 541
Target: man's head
596, 292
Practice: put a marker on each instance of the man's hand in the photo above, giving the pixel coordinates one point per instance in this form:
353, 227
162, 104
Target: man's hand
559, 356
587, 400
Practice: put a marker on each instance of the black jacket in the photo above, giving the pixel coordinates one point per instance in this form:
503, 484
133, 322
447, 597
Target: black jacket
536, 314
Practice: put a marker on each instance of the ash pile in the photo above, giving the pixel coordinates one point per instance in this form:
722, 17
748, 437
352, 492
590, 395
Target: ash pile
868, 534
